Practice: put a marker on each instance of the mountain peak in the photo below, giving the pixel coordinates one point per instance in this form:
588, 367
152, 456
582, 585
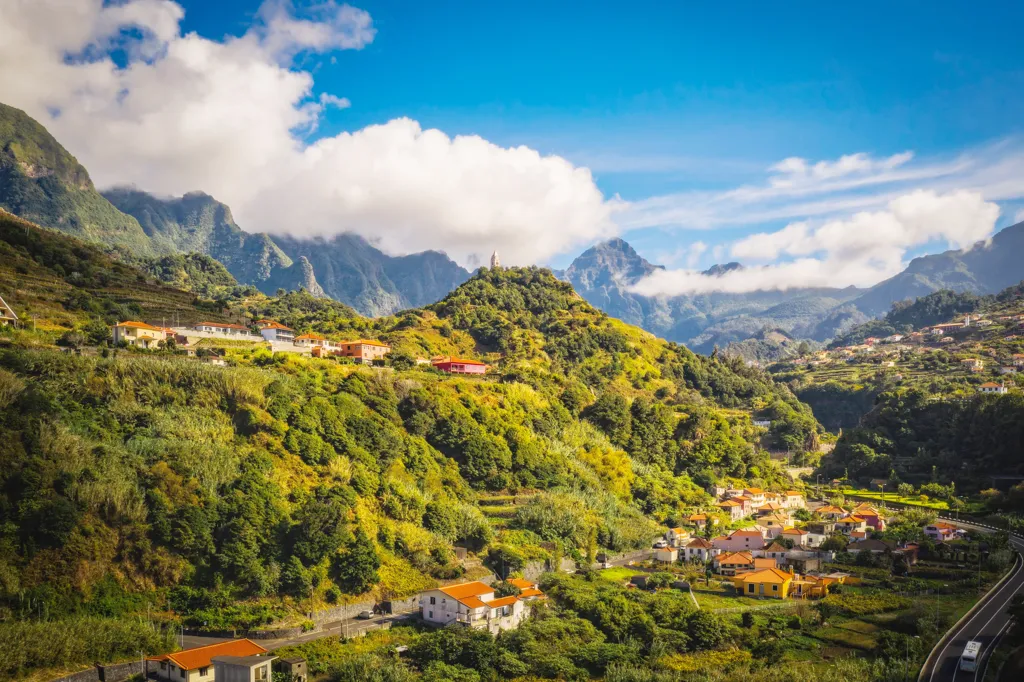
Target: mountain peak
719, 269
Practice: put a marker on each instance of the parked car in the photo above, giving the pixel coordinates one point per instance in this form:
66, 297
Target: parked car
606, 565
366, 615
660, 544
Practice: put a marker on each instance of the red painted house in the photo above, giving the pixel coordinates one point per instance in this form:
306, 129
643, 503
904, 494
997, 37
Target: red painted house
459, 365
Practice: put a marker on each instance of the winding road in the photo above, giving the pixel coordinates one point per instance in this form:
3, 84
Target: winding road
986, 625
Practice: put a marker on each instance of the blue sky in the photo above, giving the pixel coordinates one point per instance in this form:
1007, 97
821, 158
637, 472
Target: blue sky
679, 110
662, 97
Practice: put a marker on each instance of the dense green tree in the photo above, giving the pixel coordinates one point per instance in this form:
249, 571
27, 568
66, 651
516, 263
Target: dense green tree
355, 570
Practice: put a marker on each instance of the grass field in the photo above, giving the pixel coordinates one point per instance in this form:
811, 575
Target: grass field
938, 505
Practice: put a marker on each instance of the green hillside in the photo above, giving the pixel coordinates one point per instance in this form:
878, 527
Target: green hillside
41, 182
238, 496
913, 409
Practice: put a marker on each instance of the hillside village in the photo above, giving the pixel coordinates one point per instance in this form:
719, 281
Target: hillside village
980, 352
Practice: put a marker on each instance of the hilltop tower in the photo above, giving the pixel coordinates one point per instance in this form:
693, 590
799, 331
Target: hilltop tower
495, 261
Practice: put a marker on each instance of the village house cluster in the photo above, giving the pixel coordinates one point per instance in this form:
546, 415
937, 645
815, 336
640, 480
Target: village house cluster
279, 339
776, 556
931, 339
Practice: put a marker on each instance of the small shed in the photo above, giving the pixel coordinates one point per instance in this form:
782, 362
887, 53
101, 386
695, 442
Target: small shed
296, 667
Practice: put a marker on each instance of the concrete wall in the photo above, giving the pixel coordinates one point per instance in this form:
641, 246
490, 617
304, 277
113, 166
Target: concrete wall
117, 672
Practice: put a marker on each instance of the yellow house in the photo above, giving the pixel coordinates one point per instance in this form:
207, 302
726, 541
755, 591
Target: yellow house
139, 334
766, 582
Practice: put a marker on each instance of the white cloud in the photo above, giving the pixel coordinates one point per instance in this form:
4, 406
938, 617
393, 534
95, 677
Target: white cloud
227, 116
859, 250
1018, 217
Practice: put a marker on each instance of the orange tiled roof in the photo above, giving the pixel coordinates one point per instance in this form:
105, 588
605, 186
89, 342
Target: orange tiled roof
471, 602
766, 575
729, 503
200, 657
464, 590
753, 491
501, 601
775, 547
850, 519
138, 325
699, 543
270, 324
531, 592
793, 531
311, 337
736, 558
794, 493
521, 584
698, 517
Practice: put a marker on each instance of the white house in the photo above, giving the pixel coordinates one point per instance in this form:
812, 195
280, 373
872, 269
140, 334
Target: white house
198, 664
733, 508
275, 331
474, 605
756, 495
222, 328
849, 524
798, 536
677, 537
940, 530
992, 387
667, 555
792, 499
699, 549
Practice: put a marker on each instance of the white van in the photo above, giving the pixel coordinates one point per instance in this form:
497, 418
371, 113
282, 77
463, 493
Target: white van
969, 659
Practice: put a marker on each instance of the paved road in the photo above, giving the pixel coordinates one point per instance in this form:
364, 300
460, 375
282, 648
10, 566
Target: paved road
986, 625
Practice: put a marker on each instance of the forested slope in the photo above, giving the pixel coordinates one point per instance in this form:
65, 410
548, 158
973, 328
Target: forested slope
234, 496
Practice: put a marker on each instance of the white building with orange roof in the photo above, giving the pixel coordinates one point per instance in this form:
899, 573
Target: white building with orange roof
475, 605
227, 329
699, 549
276, 332
798, 536
733, 508
140, 334
197, 664
793, 499
699, 521
849, 524
830, 512
756, 495
677, 537
940, 530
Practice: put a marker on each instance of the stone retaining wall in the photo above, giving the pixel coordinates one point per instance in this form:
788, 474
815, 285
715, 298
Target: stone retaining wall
117, 672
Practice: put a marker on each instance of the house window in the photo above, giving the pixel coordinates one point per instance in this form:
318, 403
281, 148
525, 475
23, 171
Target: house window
775, 588
750, 588
261, 673
433, 600
430, 614
183, 673
163, 665
202, 671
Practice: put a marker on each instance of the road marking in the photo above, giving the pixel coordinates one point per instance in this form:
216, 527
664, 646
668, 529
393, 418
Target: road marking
1018, 565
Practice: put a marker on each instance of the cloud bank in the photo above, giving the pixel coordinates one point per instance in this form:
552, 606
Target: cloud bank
860, 250
230, 116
